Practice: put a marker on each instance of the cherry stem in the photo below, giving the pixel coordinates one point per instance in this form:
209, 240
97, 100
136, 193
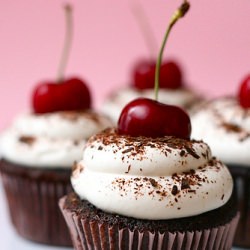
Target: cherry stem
145, 27
67, 43
179, 13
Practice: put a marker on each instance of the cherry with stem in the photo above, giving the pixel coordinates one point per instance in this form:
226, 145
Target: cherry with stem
146, 117
63, 94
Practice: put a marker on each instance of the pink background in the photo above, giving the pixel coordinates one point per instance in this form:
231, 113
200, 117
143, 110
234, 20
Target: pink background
212, 43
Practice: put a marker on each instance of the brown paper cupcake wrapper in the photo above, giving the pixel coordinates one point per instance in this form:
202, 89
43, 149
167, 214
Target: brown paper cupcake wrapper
241, 193
32, 198
87, 234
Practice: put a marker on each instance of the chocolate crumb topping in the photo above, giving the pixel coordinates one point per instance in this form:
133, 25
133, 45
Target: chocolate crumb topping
100, 148
184, 184
230, 127
27, 140
153, 182
192, 152
129, 167
127, 150
174, 190
77, 114
182, 153
137, 146
229, 103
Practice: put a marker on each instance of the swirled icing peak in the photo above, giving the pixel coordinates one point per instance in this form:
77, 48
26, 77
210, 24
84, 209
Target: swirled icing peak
147, 178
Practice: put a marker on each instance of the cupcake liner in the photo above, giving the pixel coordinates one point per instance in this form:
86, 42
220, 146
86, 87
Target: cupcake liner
241, 193
32, 195
92, 234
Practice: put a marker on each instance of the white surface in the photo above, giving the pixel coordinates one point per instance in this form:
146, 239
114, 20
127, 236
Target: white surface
9, 240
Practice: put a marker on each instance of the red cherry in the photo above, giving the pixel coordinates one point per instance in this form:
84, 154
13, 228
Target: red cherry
146, 117
244, 93
144, 75
71, 94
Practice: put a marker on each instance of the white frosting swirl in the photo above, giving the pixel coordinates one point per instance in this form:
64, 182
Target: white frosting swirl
115, 103
50, 140
147, 178
225, 126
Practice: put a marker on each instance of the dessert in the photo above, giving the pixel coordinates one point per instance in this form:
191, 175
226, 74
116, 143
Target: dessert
38, 151
139, 186
161, 193
224, 123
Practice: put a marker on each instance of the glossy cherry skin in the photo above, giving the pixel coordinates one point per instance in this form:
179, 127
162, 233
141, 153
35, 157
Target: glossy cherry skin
144, 75
244, 92
71, 94
147, 117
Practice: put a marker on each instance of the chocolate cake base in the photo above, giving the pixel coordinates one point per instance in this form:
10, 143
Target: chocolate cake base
241, 176
92, 228
32, 194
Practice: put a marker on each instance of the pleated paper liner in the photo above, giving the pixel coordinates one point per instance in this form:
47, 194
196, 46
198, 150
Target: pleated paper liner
241, 176
32, 195
95, 234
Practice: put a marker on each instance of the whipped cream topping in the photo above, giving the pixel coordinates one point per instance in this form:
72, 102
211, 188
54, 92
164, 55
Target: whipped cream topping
225, 126
52, 139
114, 104
147, 178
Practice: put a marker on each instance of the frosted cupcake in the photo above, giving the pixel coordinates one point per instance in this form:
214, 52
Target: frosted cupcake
38, 152
225, 125
149, 193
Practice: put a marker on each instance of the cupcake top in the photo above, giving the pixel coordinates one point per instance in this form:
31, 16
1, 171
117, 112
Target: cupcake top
146, 178
52, 139
182, 97
225, 126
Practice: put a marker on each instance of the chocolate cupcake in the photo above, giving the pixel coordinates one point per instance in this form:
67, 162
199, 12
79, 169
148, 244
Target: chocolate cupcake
149, 193
225, 125
38, 151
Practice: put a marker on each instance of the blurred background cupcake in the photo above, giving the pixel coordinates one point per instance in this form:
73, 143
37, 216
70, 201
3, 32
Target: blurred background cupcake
173, 89
38, 152
224, 123
39, 149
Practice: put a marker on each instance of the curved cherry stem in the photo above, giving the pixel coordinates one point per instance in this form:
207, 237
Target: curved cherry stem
67, 43
179, 13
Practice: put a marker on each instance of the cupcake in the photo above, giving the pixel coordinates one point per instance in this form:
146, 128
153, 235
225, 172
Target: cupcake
137, 192
225, 125
173, 90
39, 149
37, 154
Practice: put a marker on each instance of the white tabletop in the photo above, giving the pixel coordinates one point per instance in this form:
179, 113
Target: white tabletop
9, 240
